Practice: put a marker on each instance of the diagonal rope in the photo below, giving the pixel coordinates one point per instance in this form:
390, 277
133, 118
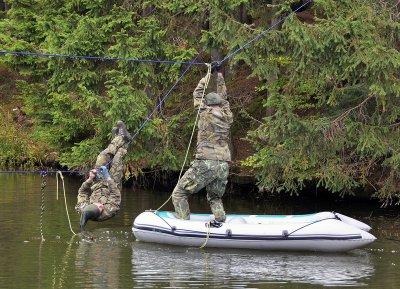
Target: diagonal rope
163, 99
166, 95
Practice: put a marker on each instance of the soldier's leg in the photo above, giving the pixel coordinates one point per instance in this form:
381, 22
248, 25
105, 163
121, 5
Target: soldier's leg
117, 168
190, 183
108, 154
216, 189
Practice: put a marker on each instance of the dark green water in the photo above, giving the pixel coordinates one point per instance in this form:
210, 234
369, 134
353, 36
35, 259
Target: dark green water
107, 255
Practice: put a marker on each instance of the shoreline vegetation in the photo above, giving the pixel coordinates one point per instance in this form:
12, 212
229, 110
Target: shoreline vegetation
316, 100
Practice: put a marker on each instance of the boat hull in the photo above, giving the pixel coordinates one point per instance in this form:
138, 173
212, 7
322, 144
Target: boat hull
324, 232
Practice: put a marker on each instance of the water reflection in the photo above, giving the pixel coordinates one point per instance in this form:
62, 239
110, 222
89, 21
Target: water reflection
155, 265
97, 260
109, 257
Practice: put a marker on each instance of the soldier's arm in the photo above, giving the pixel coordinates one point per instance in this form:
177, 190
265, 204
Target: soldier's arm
221, 87
83, 195
198, 93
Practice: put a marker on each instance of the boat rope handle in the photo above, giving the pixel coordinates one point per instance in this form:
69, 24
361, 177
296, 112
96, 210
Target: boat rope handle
59, 173
309, 224
207, 78
155, 213
208, 226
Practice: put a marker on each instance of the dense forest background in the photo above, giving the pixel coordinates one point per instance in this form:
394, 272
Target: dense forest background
316, 100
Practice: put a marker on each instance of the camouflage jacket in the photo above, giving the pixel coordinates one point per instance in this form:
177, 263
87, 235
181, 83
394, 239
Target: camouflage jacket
105, 192
214, 124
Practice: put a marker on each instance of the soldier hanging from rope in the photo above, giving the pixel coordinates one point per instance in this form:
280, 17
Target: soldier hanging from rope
99, 197
210, 168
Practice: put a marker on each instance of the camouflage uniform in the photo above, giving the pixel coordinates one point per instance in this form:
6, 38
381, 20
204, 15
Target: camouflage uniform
107, 192
210, 169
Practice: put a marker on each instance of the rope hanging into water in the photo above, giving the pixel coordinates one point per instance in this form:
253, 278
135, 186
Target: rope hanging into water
207, 78
59, 173
42, 187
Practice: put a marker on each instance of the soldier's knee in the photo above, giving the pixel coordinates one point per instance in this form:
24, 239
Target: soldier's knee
103, 158
177, 196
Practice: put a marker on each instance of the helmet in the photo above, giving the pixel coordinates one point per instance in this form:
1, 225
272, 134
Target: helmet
213, 98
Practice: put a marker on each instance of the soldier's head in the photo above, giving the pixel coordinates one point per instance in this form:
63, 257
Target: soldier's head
91, 212
213, 98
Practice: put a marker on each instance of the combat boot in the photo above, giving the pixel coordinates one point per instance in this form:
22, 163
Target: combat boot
122, 131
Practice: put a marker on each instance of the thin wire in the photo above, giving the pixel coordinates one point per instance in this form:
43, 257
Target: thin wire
264, 32
97, 57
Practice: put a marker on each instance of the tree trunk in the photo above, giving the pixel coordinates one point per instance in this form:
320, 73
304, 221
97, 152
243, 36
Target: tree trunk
4, 6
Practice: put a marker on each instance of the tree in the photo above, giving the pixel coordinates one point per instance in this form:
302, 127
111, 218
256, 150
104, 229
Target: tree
325, 109
336, 102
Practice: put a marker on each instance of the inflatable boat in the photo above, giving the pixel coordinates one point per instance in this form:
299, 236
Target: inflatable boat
324, 231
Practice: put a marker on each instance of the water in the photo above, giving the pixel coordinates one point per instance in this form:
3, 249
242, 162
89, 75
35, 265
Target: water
107, 255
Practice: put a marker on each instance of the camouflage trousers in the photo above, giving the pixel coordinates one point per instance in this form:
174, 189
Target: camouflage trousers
109, 193
114, 154
211, 174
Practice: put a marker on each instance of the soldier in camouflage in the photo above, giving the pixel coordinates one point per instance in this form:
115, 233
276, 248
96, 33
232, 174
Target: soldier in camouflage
99, 197
210, 168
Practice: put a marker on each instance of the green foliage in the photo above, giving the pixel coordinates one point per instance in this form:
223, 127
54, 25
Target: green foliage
328, 76
335, 103
75, 102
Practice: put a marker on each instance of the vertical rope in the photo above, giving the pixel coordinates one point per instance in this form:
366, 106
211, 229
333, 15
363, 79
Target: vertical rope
59, 173
42, 187
194, 129
197, 118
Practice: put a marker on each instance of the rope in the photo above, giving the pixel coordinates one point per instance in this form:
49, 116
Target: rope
208, 76
96, 57
208, 226
309, 224
59, 173
42, 187
163, 99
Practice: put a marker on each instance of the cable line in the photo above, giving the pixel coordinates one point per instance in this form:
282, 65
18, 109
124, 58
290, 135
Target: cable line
96, 57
